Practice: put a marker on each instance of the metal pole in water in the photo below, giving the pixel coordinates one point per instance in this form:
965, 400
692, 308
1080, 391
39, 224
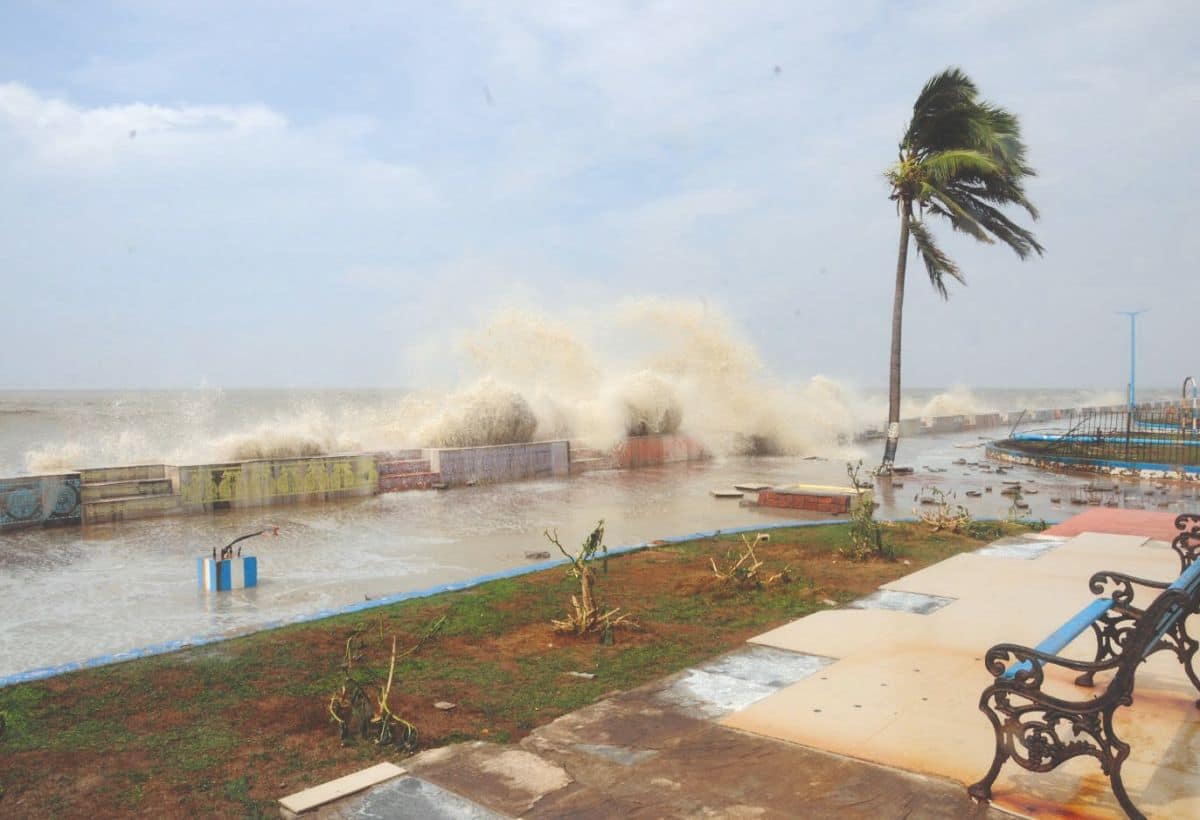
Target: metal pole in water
1132, 314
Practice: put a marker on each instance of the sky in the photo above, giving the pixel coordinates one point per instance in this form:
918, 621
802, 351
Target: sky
295, 194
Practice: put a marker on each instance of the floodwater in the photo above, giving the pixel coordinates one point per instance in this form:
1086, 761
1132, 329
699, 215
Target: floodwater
71, 594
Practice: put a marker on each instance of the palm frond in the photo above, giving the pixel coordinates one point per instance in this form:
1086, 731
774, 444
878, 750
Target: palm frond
938, 265
943, 166
999, 225
944, 204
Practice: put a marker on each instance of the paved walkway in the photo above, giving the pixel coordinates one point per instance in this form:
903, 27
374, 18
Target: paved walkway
868, 711
1157, 525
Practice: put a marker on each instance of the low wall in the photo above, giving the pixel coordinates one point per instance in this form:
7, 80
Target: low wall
277, 481
503, 462
816, 498
647, 451
43, 499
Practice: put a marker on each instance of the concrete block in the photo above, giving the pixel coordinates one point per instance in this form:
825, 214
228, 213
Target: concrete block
812, 497
648, 451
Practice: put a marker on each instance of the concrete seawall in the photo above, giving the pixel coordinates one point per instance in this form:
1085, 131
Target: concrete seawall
279, 481
503, 462
112, 494
40, 500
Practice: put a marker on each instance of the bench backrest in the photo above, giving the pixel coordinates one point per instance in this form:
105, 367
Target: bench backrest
1172, 605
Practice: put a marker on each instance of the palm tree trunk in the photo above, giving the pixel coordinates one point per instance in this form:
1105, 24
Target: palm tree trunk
893, 430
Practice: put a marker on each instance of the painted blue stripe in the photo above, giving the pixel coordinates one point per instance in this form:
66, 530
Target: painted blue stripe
44, 672
1064, 634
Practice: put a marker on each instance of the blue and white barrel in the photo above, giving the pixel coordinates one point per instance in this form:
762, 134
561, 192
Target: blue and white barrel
232, 573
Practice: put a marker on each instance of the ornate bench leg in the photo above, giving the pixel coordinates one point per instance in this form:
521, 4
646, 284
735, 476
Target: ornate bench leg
982, 790
1119, 750
1185, 647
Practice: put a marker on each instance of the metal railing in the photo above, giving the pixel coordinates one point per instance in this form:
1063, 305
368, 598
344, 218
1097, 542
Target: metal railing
1167, 435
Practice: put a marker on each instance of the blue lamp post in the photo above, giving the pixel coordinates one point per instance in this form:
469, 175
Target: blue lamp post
1132, 314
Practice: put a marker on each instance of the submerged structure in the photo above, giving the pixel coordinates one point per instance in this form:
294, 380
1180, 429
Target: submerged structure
1159, 440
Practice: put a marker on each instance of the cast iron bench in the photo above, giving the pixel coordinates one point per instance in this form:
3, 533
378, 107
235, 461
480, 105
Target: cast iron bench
1038, 730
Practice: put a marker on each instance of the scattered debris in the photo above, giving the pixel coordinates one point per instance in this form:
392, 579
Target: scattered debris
444, 705
537, 555
360, 707
585, 615
584, 675
726, 493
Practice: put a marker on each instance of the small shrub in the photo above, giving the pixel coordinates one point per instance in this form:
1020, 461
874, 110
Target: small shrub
866, 534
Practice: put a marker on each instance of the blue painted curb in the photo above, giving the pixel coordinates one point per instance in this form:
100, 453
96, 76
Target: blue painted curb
44, 672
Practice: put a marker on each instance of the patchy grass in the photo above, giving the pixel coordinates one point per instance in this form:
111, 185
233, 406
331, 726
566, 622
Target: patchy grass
226, 730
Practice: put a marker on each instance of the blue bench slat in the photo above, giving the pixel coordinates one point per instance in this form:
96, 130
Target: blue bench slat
1188, 579
1065, 633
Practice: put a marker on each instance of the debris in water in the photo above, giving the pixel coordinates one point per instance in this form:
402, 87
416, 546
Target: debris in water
537, 555
973, 493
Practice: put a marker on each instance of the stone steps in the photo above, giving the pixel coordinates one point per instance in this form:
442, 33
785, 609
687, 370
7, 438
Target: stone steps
584, 465
398, 482
127, 508
405, 466
102, 475
100, 490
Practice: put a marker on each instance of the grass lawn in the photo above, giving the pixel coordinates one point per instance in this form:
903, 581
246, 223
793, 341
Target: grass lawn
227, 729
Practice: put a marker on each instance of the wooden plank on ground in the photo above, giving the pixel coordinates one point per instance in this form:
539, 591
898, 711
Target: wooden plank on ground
336, 789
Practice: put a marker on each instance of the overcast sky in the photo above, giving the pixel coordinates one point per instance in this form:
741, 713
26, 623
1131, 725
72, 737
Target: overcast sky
297, 194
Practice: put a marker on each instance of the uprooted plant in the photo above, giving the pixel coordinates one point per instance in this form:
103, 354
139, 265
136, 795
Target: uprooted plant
361, 707
946, 513
585, 615
743, 572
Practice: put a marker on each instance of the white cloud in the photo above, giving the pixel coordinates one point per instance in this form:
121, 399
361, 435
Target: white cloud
61, 135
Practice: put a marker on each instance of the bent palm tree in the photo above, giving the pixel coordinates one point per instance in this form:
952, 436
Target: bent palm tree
961, 158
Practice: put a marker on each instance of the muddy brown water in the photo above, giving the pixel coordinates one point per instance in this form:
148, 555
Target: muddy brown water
72, 594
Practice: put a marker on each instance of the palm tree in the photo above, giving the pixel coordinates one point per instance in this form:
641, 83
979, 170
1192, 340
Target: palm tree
961, 158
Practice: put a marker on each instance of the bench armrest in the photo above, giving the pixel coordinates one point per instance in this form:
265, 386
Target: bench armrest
1187, 543
1123, 590
1023, 665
